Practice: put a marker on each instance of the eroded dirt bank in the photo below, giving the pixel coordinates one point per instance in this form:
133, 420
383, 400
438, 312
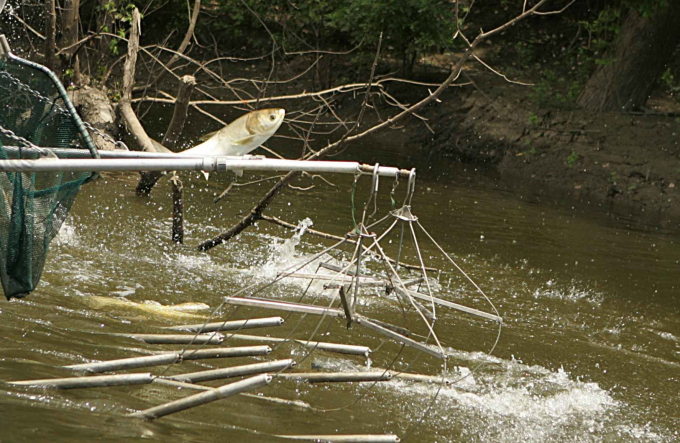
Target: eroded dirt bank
630, 162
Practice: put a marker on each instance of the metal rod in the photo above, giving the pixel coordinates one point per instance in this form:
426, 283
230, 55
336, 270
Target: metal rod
204, 397
285, 306
357, 438
182, 163
235, 371
322, 346
398, 337
282, 401
127, 363
82, 153
452, 305
337, 377
237, 351
96, 381
178, 339
339, 278
231, 325
424, 378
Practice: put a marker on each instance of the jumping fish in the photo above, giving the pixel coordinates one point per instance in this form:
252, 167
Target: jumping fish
181, 310
240, 136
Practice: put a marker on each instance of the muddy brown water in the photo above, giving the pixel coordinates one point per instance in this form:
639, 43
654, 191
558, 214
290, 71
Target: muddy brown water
590, 350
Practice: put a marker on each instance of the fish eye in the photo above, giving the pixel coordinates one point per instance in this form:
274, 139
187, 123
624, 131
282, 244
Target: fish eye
272, 117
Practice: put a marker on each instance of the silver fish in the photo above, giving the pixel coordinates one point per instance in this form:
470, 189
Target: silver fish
242, 135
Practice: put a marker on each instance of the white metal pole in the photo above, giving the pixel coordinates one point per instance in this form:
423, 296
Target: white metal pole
209, 164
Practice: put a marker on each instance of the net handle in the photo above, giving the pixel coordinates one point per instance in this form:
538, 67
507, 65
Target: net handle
6, 51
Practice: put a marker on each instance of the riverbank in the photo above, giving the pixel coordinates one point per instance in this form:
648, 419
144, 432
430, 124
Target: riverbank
628, 162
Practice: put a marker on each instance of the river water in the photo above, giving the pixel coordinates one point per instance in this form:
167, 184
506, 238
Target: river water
589, 352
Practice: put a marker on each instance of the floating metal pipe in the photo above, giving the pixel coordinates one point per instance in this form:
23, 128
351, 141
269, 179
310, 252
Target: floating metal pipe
230, 325
127, 363
96, 381
325, 346
237, 351
452, 305
177, 339
234, 371
282, 401
424, 378
336, 377
285, 306
357, 438
340, 278
400, 338
336, 347
204, 397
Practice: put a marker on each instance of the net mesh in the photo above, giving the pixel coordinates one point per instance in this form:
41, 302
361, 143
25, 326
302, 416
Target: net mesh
33, 205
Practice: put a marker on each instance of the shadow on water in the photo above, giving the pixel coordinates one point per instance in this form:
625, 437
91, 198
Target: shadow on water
590, 350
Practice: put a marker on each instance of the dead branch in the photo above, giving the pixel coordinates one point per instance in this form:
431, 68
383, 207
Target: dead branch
175, 128
255, 213
185, 41
125, 105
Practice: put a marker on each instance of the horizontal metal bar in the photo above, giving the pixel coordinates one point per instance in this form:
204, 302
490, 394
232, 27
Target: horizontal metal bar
285, 306
177, 339
127, 363
185, 163
281, 401
96, 381
400, 338
320, 345
74, 153
363, 280
452, 305
237, 351
230, 325
337, 377
424, 378
204, 397
234, 371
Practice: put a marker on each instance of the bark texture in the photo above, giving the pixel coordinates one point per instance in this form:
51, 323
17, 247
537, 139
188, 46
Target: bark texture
640, 55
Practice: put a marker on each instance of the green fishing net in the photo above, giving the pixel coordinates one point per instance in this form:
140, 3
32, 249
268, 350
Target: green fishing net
33, 205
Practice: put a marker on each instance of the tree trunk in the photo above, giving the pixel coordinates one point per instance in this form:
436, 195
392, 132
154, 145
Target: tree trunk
69, 28
50, 33
640, 55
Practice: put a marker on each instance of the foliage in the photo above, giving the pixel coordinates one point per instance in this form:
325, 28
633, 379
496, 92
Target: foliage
410, 27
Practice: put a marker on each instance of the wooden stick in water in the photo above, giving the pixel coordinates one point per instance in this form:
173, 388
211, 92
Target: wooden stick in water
204, 397
234, 371
231, 325
127, 363
97, 381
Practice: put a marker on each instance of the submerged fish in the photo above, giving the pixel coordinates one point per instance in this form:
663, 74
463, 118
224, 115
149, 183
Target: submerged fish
242, 135
182, 310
